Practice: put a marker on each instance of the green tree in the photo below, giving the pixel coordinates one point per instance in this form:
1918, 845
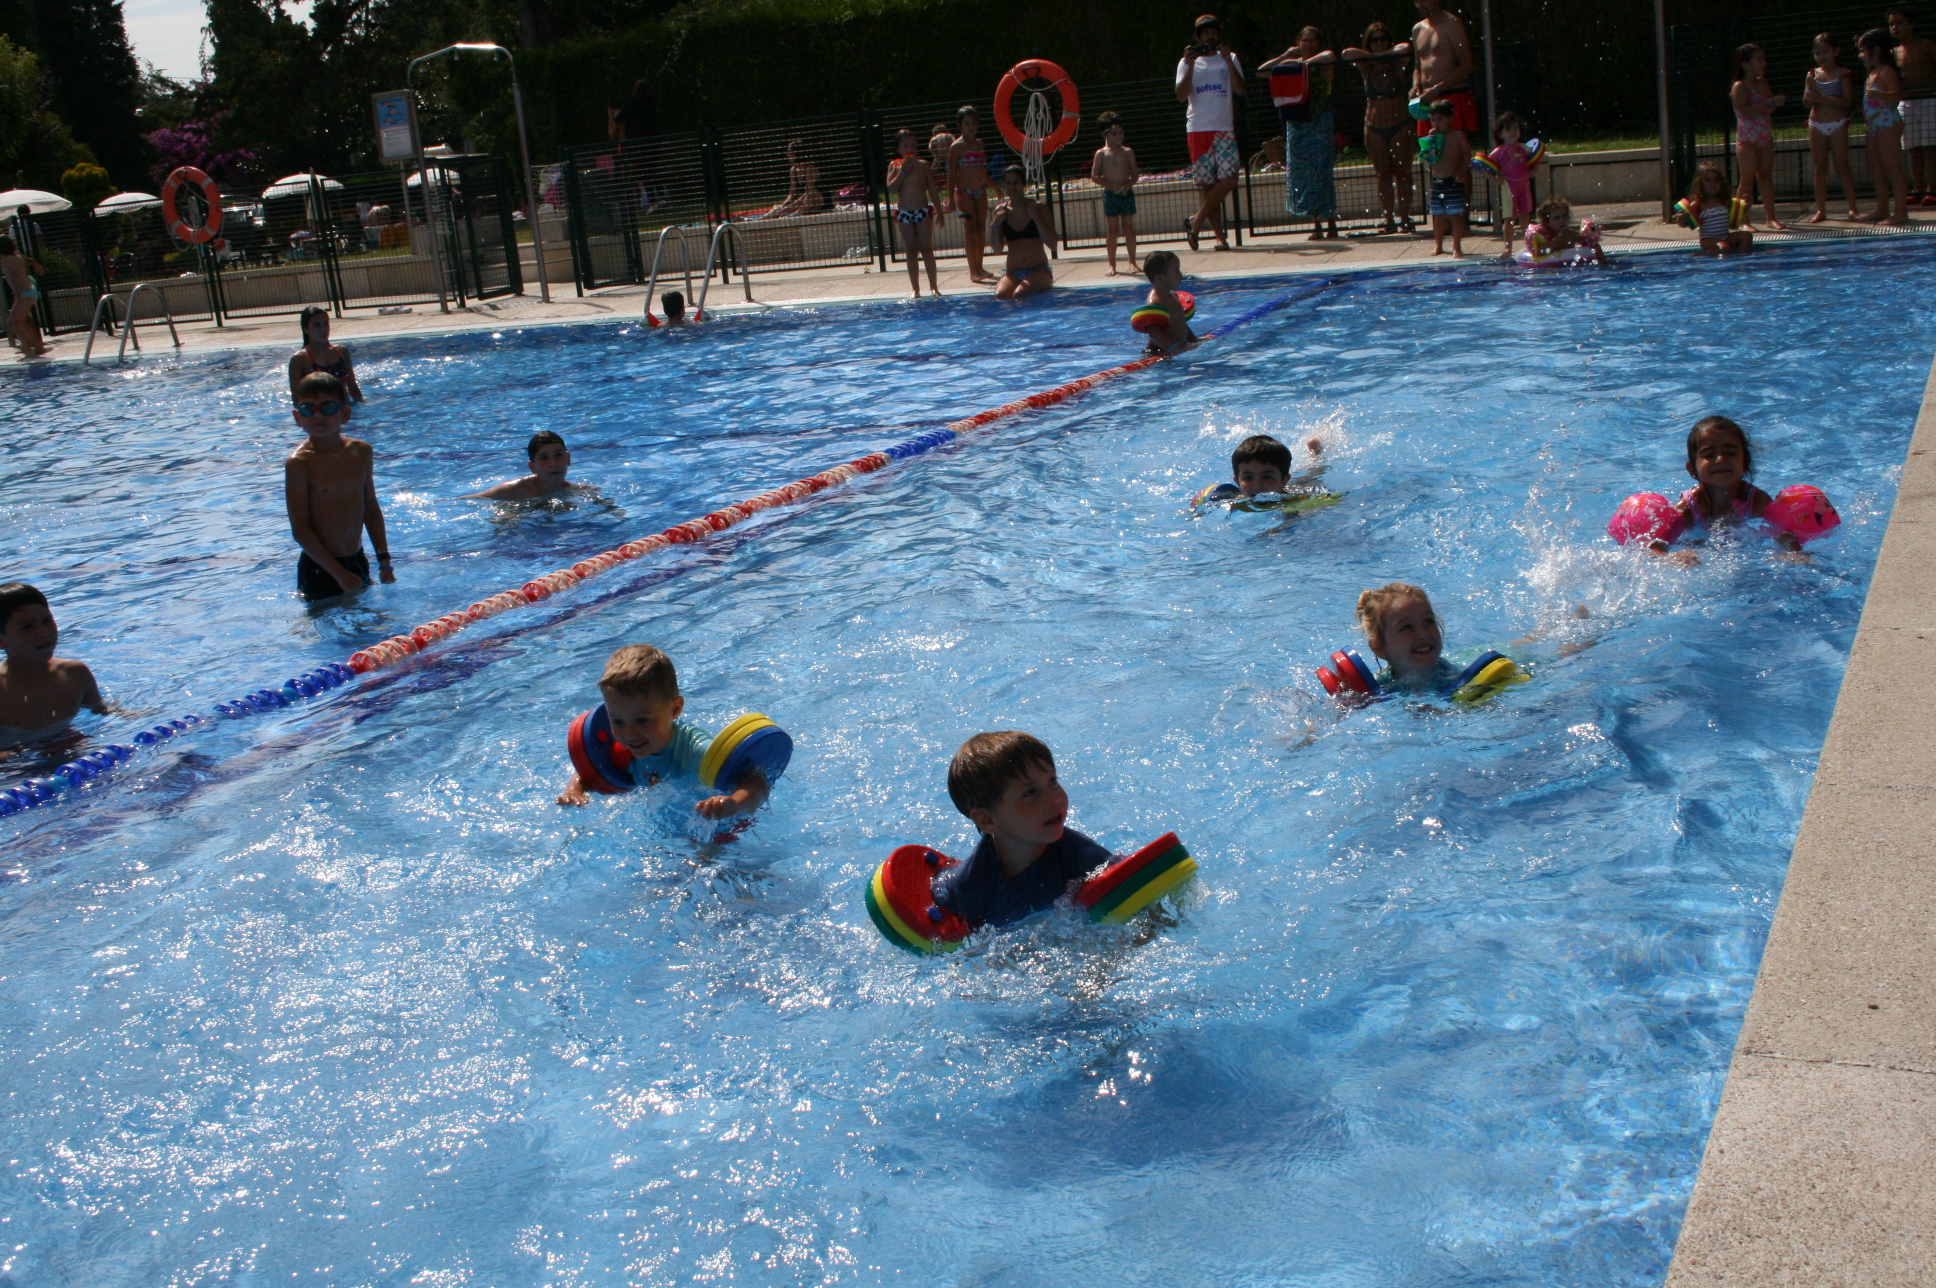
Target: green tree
89, 76
35, 144
87, 186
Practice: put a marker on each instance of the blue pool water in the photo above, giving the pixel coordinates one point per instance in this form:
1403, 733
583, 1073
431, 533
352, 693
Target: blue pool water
339, 996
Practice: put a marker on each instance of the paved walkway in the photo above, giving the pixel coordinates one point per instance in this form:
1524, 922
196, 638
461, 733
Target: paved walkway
1630, 228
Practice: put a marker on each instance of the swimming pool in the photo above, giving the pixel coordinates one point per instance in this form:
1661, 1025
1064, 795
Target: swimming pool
339, 996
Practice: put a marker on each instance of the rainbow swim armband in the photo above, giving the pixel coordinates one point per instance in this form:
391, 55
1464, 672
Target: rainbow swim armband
1151, 317
1128, 886
751, 742
1488, 673
600, 759
1483, 164
1348, 675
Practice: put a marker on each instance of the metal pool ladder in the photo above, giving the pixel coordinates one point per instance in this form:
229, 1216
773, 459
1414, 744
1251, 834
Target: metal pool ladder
128, 323
685, 264
712, 257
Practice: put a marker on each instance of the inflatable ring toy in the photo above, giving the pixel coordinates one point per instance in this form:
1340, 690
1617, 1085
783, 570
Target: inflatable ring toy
171, 209
1149, 317
900, 902
1005, 92
1128, 886
1348, 674
750, 742
600, 759
1488, 673
1482, 164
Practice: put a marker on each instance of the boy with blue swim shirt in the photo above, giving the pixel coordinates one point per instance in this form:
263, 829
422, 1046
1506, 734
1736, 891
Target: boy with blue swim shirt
1027, 859
643, 705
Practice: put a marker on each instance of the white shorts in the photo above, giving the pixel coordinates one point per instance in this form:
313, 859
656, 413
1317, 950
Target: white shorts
1918, 122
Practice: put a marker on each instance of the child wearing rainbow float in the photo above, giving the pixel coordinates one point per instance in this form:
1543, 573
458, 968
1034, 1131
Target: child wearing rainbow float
1165, 315
1512, 163
1402, 631
1719, 460
1720, 219
642, 708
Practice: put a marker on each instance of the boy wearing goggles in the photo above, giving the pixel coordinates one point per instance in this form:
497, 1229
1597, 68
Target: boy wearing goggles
331, 493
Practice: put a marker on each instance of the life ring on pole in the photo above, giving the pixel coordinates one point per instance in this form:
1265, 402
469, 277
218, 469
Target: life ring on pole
1059, 80
211, 195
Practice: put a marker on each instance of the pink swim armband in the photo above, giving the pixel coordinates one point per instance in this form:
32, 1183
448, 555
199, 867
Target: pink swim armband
1803, 512
1644, 518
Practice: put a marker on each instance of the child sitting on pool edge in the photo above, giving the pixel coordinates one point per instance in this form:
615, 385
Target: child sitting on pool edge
549, 458
1027, 858
643, 703
39, 693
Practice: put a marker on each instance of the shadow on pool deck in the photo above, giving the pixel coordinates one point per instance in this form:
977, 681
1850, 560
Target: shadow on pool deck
1821, 1165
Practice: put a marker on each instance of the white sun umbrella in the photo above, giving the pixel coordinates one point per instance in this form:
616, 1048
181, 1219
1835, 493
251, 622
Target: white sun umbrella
445, 177
36, 201
123, 202
295, 185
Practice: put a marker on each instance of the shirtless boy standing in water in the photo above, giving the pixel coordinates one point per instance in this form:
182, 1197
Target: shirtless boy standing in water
331, 493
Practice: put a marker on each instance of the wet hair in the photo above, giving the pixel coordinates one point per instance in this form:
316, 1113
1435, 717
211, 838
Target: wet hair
1377, 31
6, 245
1442, 107
640, 671
1158, 260
1708, 168
1555, 206
1374, 604
965, 111
988, 762
543, 438
1506, 119
673, 302
1706, 423
311, 311
321, 384
1261, 449
16, 595
1742, 57
1880, 43
1109, 121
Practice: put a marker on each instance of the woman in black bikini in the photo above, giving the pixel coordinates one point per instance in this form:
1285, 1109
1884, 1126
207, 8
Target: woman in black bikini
1390, 136
1021, 227
318, 354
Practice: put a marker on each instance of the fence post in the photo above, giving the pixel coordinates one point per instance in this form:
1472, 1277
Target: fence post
867, 136
581, 252
508, 230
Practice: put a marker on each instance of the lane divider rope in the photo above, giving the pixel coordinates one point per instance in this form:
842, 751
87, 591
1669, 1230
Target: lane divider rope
84, 769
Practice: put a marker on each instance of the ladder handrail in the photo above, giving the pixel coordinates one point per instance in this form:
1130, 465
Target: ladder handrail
712, 256
106, 299
127, 331
685, 263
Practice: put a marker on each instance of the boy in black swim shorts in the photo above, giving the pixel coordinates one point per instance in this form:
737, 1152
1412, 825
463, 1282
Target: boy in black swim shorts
330, 490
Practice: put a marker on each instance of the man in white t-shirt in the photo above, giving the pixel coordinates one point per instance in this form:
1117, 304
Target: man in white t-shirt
1207, 78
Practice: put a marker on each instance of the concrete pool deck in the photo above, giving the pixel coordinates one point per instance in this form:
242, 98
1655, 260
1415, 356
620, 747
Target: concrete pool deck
1821, 1165
1631, 228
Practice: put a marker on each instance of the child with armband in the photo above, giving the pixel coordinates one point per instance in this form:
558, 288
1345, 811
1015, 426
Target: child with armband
1715, 213
1402, 631
1555, 237
1719, 460
643, 707
1164, 317
1027, 858
1514, 163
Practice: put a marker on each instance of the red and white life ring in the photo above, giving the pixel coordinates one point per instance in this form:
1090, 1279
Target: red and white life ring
1059, 80
181, 228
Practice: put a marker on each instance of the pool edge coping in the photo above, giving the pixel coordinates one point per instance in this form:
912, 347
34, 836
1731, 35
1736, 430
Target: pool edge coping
1820, 1166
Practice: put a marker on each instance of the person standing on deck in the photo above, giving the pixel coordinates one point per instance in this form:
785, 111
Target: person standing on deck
1916, 60
1443, 69
1209, 79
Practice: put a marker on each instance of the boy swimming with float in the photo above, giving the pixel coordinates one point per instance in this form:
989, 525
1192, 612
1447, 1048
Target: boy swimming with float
1719, 460
1260, 467
550, 459
1165, 316
1402, 631
635, 738
1027, 861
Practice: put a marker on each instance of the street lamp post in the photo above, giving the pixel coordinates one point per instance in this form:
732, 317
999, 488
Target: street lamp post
524, 151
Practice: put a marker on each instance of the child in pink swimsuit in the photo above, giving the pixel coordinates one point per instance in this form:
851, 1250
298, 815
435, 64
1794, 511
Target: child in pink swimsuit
1516, 162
